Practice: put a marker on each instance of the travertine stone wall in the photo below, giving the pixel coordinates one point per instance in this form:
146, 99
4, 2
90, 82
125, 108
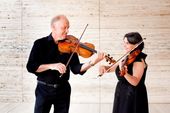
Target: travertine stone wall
23, 21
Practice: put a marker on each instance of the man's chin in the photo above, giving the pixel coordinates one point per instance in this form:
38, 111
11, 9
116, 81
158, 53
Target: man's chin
61, 38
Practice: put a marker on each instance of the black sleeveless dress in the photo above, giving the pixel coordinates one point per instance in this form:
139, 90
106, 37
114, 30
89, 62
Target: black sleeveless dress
129, 98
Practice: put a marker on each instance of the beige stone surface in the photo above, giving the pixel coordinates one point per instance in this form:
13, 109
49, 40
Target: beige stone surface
23, 21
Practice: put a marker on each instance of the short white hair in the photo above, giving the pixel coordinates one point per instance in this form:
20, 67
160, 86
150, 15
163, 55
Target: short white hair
59, 17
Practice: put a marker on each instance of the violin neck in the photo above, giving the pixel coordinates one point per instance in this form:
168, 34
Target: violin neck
88, 48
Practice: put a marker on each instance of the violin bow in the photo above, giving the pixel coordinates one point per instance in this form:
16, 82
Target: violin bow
124, 56
75, 48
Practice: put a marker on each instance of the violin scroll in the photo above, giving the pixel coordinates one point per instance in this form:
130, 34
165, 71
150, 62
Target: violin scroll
110, 59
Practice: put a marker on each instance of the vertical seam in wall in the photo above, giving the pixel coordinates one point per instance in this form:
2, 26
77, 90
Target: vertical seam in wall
99, 79
22, 47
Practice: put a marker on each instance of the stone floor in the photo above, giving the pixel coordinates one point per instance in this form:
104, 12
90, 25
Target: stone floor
76, 108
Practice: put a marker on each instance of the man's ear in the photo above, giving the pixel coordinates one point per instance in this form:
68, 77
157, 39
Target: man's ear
52, 26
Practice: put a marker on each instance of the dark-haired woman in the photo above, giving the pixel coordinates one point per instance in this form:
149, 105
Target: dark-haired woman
130, 93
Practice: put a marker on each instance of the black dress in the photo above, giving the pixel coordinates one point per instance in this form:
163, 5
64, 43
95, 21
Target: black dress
129, 98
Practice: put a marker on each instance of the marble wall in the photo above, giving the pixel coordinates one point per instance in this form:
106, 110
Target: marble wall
23, 21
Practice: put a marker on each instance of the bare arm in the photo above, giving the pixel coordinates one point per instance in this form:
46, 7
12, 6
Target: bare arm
94, 61
107, 69
138, 70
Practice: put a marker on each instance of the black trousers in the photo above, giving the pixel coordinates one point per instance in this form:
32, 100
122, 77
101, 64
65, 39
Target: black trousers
46, 96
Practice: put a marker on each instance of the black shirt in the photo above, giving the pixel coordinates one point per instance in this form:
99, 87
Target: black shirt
45, 51
130, 68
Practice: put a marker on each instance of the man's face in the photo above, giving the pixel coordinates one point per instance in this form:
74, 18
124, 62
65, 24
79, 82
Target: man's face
60, 28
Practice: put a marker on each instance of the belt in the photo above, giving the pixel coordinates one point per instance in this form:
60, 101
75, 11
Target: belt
46, 84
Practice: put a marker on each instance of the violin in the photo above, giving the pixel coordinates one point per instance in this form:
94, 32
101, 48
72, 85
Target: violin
71, 44
128, 60
86, 50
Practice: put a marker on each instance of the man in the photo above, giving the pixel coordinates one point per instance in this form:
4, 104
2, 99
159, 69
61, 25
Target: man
48, 63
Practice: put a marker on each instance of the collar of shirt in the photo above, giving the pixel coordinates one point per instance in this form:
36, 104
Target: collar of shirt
50, 38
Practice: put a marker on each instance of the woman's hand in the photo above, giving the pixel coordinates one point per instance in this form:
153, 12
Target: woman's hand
102, 70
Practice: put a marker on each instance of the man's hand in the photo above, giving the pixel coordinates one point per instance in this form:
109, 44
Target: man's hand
59, 67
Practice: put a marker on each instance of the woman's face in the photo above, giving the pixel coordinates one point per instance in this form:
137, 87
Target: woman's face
127, 46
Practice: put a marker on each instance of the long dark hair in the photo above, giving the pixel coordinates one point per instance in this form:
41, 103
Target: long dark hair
134, 38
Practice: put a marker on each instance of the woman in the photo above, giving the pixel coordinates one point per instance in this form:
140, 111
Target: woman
130, 93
